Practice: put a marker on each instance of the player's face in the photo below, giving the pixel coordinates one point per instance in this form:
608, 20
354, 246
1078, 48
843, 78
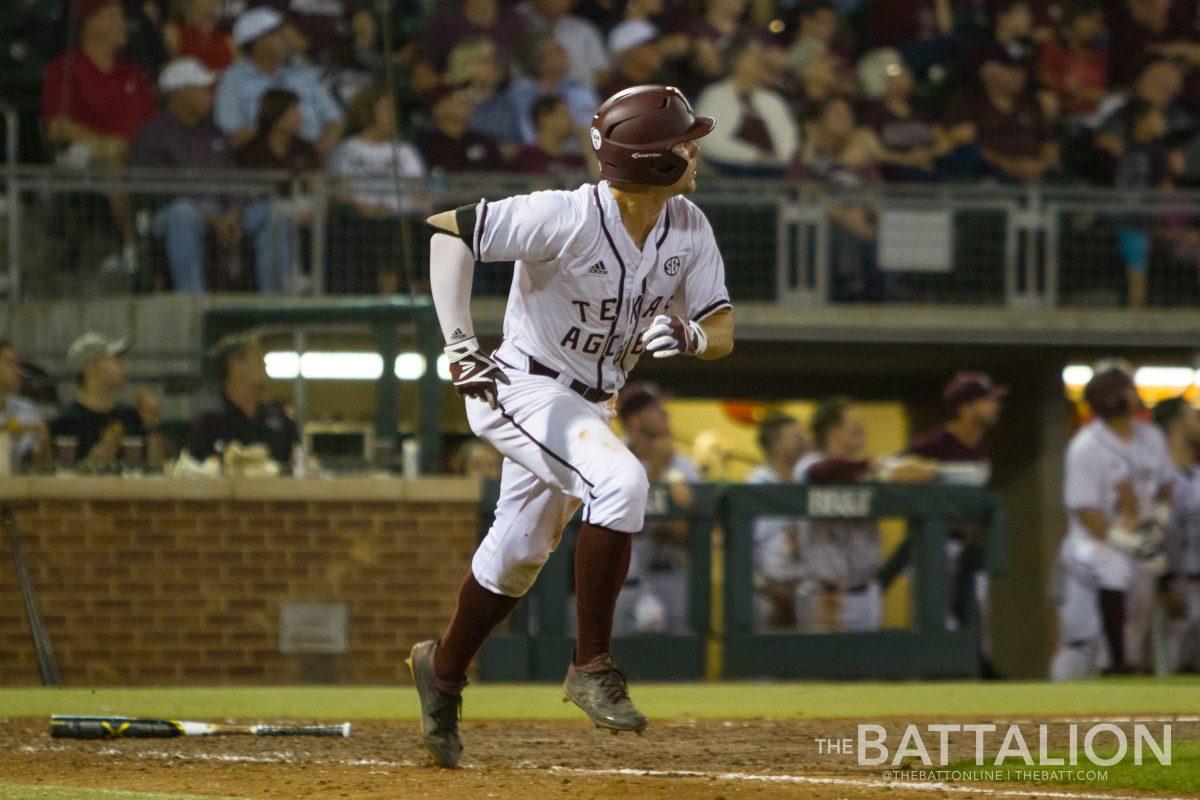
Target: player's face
849, 440
985, 412
790, 442
687, 181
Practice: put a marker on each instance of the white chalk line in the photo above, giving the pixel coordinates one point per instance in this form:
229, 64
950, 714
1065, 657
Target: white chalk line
290, 757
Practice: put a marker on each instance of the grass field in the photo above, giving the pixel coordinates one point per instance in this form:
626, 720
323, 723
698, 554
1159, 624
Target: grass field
1179, 695
793, 706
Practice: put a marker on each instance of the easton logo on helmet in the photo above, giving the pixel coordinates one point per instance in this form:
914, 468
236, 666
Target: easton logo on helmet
647, 155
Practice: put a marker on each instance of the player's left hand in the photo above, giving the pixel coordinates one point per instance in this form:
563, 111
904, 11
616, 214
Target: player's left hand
474, 373
669, 335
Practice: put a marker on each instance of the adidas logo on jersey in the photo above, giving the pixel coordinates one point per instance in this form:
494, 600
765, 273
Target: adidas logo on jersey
598, 269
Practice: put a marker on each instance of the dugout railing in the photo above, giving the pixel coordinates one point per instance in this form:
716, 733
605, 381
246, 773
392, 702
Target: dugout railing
722, 639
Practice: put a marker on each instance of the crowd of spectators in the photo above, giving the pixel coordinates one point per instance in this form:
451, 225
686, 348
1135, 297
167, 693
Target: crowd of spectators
845, 93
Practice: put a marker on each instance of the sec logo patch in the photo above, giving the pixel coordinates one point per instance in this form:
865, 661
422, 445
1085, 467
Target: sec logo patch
671, 265
595, 138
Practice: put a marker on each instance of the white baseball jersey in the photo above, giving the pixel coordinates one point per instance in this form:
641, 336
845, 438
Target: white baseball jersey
1184, 532
845, 552
582, 290
1098, 460
778, 541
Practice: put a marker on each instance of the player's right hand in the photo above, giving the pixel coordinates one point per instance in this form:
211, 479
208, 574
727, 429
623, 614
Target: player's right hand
473, 372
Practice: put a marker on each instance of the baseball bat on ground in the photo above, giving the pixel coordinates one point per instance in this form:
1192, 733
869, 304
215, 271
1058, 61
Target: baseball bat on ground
66, 726
47, 666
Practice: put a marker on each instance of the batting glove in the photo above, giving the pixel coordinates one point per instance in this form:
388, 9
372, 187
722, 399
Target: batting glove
474, 373
668, 336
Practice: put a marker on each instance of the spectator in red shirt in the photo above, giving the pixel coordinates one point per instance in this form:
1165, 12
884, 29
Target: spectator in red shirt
1074, 65
448, 144
555, 128
193, 31
93, 103
1011, 130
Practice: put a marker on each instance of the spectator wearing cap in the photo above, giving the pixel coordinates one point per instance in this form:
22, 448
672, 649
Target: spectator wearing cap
922, 30
278, 146
245, 416
658, 573
549, 153
674, 43
96, 424
547, 72
263, 65
183, 136
192, 30
94, 102
367, 163
634, 45
1074, 64
819, 77
29, 438
589, 59
1011, 129
817, 29
472, 67
914, 147
459, 22
972, 403
448, 143
758, 134
711, 36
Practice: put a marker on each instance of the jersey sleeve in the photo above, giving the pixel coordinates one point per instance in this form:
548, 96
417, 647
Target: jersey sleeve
528, 227
1083, 483
704, 289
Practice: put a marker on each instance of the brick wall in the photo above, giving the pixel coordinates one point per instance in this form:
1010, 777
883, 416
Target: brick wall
183, 590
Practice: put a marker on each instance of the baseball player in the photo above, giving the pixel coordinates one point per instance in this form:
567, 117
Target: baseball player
973, 403
1180, 424
655, 593
843, 556
1118, 495
779, 541
603, 273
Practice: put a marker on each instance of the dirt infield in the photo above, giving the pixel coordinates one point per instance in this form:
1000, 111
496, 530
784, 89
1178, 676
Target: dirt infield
681, 759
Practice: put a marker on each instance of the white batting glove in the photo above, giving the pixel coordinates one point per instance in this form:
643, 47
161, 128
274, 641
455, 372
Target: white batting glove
473, 372
669, 335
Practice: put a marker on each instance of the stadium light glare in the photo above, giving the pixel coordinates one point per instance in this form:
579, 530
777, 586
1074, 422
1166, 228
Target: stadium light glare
410, 366
287, 365
1178, 378
1076, 375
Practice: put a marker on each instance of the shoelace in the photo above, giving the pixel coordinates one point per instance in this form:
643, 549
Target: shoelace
615, 684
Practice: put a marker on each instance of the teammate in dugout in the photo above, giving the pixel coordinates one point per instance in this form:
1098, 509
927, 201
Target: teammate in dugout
1180, 424
603, 274
1118, 494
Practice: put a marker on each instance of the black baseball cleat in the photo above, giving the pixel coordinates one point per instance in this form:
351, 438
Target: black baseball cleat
600, 689
439, 711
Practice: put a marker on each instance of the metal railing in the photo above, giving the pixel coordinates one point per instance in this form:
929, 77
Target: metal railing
970, 245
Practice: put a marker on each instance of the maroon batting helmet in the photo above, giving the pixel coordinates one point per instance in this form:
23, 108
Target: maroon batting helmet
1107, 393
634, 130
